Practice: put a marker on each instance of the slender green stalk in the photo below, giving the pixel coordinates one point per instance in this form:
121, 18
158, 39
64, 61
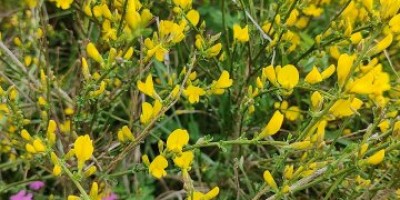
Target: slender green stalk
73, 179
237, 142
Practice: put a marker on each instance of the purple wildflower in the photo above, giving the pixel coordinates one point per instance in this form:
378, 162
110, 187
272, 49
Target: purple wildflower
22, 195
36, 185
111, 196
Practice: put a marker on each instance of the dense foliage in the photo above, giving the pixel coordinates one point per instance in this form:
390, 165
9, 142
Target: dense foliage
200, 100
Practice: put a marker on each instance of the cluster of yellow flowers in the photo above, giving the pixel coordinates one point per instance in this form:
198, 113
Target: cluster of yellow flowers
291, 94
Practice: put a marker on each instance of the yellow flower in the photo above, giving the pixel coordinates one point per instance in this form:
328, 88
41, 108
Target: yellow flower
94, 191
133, 19
288, 172
345, 63
87, 10
147, 87
193, 93
362, 85
363, 150
73, 197
38, 145
85, 69
269, 179
51, 132
241, 34
356, 38
63, 4
193, 16
313, 76
383, 44
184, 4
93, 53
149, 111
29, 148
56, 170
171, 31
376, 158
300, 145
369, 4
201, 196
157, 167
25, 134
291, 20
184, 161
108, 32
128, 54
177, 139
214, 50
146, 16
145, 160
83, 148
217, 87
66, 126
316, 100
345, 107
389, 8
292, 113
125, 134
394, 24
273, 125
98, 92
153, 50
269, 73
396, 128
312, 10
92, 169
288, 77
328, 72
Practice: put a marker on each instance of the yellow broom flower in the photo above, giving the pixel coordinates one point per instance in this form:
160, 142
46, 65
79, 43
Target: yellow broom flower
301, 145
193, 93
177, 139
288, 77
157, 167
394, 24
193, 16
273, 125
147, 87
25, 134
376, 158
149, 111
345, 107
38, 145
184, 161
56, 170
93, 53
83, 148
63, 4
240, 34
316, 100
51, 132
345, 63
269, 179
207, 196
217, 87
383, 44
314, 76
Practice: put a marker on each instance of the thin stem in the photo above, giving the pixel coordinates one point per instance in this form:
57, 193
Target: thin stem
71, 176
237, 142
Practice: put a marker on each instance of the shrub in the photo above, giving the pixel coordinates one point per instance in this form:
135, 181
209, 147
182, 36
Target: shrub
139, 99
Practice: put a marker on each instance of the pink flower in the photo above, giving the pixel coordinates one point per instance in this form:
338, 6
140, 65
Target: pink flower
111, 196
22, 195
36, 185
